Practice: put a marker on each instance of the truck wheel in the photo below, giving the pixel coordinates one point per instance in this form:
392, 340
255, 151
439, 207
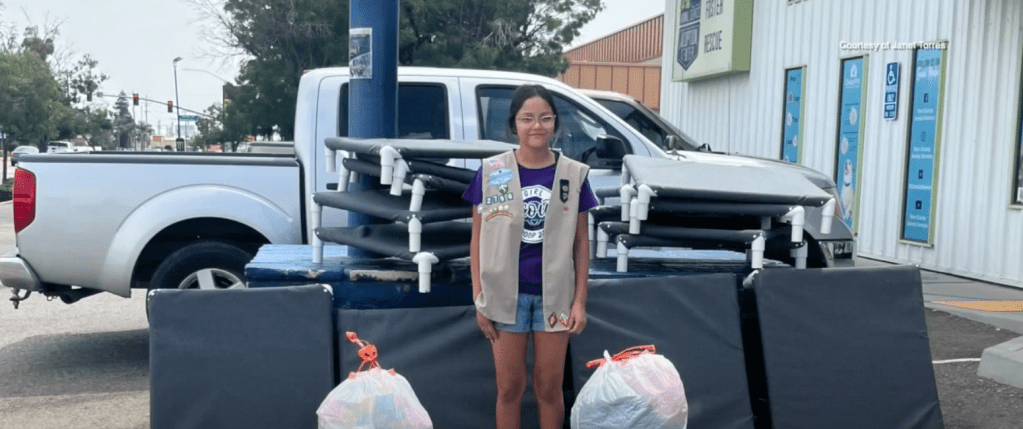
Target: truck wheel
206, 264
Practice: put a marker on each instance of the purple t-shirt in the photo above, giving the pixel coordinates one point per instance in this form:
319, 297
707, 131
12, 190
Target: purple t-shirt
536, 192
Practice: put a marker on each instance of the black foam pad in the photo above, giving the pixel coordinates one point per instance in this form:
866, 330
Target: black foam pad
846, 348
251, 358
441, 352
693, 321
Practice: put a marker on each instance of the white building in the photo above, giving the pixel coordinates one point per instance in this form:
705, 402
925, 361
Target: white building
941, 184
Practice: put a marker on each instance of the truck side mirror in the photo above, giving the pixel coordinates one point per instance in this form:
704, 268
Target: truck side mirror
610, 150
673, 143
704, 147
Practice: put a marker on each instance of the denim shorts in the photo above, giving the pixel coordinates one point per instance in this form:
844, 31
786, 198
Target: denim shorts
528, 316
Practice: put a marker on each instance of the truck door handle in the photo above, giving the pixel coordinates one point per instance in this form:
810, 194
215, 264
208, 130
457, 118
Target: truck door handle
332, 186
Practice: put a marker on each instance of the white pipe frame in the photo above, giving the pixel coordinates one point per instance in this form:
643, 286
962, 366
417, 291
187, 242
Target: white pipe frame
589, 234
387, 157
331, 160
827, 216
343, 179
797, 217
317, 242
425, 261
799, 254
400, 170
625, 194
623, 258
645, 193
634, 216
602, 239
757, 248
415, 234
418, 191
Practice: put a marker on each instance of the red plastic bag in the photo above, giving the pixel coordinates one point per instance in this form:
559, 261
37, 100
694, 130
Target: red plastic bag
636, 388
372, 399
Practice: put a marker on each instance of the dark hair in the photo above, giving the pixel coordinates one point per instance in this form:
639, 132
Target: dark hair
525, 92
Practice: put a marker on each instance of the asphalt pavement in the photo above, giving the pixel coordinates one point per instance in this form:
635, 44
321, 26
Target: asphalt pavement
87, 364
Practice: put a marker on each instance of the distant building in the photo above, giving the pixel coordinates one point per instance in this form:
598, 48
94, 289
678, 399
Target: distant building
627, 61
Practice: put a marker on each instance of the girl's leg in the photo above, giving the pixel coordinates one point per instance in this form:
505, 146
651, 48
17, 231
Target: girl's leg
510, 368
549, 350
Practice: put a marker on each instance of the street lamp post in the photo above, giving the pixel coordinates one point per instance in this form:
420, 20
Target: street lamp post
177, 100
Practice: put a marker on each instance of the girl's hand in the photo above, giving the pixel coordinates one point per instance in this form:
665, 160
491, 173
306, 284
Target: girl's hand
577, 320
487, 326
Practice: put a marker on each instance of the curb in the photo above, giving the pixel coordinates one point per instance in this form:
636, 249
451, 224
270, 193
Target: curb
1003, 363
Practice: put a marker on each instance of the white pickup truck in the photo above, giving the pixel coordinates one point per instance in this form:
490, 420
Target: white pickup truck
117, 221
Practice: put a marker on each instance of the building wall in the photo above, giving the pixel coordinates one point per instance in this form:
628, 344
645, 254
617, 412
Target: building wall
978, 231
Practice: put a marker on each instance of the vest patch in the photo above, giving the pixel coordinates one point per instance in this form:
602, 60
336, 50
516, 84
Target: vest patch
564, 190
500, 176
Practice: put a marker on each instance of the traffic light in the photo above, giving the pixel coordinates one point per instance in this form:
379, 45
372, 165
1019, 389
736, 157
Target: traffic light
170, 107
135, 98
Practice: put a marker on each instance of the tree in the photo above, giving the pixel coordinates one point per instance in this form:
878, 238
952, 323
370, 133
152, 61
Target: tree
123, 123
283, 38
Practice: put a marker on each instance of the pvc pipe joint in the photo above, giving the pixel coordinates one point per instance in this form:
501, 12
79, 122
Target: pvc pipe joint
343, 179
415, 234
602, 238
387, 157
400, 170
757, 250
418, 191
644, 200
331, 160
827, 216
425, 261
317, 242
623, 258
799, 254
589, 233
634, 217
796, 217
625, 193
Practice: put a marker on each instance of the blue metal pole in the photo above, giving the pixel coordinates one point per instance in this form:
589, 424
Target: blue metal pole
373, 89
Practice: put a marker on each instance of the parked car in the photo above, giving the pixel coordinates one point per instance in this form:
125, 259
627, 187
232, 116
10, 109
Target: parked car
195, 219
22, 150
60, 147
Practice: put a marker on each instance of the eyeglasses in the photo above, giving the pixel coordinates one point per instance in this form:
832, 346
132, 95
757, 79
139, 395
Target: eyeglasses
529, 121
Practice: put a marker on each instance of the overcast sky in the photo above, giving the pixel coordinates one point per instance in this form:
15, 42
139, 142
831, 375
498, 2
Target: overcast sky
136, 41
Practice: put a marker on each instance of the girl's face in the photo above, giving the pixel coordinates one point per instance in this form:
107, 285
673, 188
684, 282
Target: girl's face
534, 124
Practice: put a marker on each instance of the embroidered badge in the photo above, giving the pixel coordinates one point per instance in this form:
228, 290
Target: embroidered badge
564, 190
563, 319
500, 176
495, 163
498, 211
552, 320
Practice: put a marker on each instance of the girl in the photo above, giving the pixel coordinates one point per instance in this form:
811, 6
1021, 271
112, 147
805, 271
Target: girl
530, 257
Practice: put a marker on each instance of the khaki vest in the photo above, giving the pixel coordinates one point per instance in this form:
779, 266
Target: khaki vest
503, 220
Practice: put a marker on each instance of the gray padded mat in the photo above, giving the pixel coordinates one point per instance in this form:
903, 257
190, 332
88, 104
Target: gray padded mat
748, 184
241, 358
847, 348
437, 206
415, 148
446, 240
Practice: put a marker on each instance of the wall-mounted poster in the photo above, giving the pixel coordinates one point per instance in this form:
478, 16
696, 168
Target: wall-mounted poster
792, 118
360, 53
923, 145
850, 127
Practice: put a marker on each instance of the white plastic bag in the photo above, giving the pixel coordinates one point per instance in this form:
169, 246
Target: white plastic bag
372, 399
635, 389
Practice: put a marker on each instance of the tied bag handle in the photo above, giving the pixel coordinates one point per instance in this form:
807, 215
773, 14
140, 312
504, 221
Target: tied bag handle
623, 355
367, 352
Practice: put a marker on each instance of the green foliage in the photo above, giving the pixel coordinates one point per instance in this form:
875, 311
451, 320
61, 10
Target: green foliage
30, 99
283, 38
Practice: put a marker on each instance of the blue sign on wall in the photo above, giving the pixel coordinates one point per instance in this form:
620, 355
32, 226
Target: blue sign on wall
849, 120
919, 194
792, 120
689, 33
891, 91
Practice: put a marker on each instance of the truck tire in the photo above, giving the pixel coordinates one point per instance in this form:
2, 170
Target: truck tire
207, 264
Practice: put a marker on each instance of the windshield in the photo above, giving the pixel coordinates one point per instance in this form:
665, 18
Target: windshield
648, 123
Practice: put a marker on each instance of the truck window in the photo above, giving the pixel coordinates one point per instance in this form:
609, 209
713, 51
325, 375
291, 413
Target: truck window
576, 138
422, 111
637, 120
